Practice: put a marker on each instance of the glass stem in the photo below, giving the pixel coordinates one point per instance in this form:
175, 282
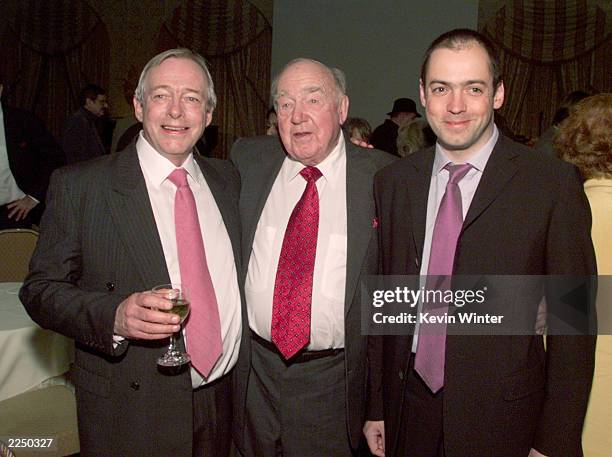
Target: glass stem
172, 345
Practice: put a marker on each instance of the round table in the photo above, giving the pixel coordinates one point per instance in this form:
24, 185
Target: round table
29, 355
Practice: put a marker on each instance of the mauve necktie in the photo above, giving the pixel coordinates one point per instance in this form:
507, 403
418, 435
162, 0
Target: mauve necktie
431, 347
293, 285
203, 327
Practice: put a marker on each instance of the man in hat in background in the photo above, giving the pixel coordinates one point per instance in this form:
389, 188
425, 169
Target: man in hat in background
384, 136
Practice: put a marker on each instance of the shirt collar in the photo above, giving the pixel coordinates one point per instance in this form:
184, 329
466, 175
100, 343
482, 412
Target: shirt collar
156, 167
329, 167
479, 161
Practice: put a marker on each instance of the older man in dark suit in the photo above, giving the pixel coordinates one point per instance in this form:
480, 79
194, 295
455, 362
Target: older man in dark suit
478, 204
307, 214
114, 228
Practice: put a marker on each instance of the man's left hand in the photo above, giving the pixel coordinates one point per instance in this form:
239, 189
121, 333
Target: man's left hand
534, 453
19, 209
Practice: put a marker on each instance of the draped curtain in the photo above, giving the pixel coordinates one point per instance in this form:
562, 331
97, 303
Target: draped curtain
236, 41
548, 49
50, 50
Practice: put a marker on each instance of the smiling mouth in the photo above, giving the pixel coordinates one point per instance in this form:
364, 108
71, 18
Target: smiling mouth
170, 128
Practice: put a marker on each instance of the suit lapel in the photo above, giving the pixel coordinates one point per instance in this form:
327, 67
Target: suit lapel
417, 187
500, 168
223, 198
360, 172
131, 212
264, 175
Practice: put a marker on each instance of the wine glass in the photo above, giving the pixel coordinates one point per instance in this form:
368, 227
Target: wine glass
177, 294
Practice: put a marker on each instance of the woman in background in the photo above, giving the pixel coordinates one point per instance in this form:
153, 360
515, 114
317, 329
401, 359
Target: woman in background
585, 139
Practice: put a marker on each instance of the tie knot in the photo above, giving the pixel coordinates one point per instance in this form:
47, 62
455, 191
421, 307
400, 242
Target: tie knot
457, 172
178, 177
311, 174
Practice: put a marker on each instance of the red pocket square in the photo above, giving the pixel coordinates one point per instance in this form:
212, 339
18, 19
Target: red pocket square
375, 222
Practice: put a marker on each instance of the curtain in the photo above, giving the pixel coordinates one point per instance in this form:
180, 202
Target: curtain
51, 50
548, 49
236, 41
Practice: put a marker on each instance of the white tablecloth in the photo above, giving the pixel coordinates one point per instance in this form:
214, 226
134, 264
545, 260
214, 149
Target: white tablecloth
29, 355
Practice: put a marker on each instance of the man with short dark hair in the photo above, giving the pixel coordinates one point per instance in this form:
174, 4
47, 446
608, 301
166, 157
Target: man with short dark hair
479, 204
384, 136
114, 228
307, 216
81, 140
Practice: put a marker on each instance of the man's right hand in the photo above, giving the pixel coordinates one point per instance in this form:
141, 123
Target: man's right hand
137, 318
374, 432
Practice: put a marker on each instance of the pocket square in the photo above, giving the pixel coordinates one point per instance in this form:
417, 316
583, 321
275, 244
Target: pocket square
375, 222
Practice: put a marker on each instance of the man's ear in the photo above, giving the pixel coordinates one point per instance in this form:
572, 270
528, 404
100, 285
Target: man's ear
137, 109
208, 117
422, 95
498, 98
343, 106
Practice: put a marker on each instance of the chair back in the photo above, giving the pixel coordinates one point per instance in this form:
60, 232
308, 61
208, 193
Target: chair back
5, 451
16, 248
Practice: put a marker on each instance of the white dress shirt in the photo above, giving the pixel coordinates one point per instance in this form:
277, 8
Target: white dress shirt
9, 190
329, 279
217, 244
437, 187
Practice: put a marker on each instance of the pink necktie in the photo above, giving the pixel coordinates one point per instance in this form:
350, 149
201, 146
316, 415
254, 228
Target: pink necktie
203, 327
293, 285
431, 347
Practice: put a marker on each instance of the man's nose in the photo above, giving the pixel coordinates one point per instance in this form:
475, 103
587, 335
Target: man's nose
297, 115
175, 108
456, 103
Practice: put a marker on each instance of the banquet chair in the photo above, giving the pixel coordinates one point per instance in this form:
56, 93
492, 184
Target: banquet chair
49, 412
16, 247
5, 451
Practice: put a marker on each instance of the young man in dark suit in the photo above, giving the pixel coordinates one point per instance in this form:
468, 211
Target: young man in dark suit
518, 214
114, 228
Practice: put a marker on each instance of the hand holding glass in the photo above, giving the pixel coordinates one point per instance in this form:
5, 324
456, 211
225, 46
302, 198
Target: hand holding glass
177, 294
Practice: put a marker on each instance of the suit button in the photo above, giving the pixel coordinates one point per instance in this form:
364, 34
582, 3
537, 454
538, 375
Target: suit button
110, 286
401, 375
135, 385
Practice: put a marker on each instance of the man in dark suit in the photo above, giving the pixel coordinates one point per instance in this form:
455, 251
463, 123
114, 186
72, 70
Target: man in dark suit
308, 401
31, 154
519, 214
81, 139
384, 137
109, 231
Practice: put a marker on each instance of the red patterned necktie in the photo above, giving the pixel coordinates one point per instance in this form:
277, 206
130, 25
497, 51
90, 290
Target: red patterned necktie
431, 347
203, 327
293, 284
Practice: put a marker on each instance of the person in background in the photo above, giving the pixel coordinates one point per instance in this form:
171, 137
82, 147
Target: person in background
358, 130
28, 155
414, 136
271, 122
545, 143
307, 215
116, 227
585, 140
384, 136
81, 139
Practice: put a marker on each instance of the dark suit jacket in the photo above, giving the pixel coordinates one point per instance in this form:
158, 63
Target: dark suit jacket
259, 160
81, 140
98, 244
32, 153
502, 394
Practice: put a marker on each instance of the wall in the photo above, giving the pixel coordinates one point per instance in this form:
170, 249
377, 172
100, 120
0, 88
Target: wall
379, 45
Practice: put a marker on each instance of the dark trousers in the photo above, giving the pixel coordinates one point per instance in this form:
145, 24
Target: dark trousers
296, 409
421, 431
212, 419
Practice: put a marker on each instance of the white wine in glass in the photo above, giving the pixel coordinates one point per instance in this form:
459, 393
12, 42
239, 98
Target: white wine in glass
177, 294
